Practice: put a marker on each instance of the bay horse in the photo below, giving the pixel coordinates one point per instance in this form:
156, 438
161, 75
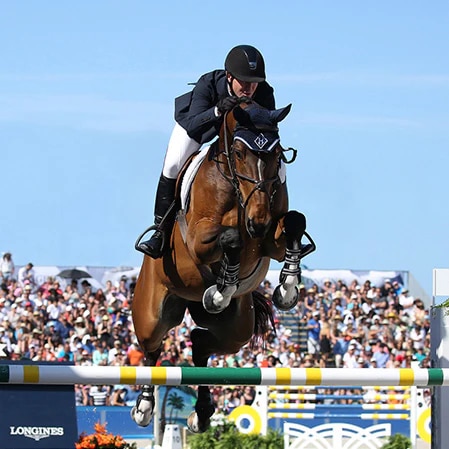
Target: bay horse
236, 221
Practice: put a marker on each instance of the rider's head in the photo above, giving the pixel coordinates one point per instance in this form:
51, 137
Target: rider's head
245, 68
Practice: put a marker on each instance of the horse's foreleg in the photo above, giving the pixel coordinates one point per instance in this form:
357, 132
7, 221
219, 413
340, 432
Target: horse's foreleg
217, 297
286, 294
142, 413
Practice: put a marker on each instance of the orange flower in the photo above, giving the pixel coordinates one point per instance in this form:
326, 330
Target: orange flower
101, 439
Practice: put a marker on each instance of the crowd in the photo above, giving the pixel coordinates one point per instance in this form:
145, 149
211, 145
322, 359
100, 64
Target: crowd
348, 326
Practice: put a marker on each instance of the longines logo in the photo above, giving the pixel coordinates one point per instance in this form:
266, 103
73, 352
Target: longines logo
36, 433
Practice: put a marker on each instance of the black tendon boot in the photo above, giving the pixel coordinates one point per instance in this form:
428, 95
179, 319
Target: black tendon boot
163, 220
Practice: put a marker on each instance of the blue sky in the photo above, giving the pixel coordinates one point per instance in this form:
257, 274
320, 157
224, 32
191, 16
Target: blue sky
86, 110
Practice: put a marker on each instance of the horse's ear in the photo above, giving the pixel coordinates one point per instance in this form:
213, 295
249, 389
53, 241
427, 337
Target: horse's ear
279, 114
242, 116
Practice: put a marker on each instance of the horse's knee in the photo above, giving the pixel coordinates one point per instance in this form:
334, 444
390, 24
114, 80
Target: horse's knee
230, 240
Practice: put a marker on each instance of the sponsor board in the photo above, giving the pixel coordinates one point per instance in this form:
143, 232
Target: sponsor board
37, 416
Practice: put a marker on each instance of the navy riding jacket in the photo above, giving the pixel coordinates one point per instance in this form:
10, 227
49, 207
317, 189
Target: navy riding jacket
195, 110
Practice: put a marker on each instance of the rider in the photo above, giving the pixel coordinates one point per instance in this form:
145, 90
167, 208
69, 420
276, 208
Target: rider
199, 115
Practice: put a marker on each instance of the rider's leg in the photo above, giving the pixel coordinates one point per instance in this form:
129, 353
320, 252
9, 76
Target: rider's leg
165, 195
180, 148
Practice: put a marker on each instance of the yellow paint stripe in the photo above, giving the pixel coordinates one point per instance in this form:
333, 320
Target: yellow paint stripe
406, 376
128, 375
283, 376
158, 375
313, 376
31, 374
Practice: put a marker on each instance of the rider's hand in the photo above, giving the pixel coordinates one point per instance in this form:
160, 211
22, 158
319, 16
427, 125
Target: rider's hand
227, 104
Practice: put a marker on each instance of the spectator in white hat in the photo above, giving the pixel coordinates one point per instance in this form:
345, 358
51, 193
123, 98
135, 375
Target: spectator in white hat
350, 358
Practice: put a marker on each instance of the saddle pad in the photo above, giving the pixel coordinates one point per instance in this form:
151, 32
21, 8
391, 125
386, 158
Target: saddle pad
189, 176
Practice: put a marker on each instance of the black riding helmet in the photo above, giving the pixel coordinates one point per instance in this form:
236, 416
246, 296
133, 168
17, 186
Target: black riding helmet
246, 63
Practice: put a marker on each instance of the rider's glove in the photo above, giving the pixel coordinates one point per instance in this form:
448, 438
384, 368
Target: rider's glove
227, 104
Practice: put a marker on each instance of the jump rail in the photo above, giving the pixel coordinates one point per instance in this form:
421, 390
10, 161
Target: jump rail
98, 375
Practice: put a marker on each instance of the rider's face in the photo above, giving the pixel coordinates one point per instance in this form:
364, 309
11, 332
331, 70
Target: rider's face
242, 88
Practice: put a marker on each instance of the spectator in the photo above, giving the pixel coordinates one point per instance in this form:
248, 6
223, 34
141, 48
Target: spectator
64, 353
350, 358
114, 351
135, 355
26, 273
381, 354
267, 289
99, 395
417, 335
325, 345
418, 312
104, 328
340, 346
100, 354
125, 395
247, 398
80, 327
313, 333
87, 343
7, 267
406, 300
81, 395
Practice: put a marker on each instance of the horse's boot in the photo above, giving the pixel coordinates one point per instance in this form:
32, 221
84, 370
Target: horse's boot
163, 219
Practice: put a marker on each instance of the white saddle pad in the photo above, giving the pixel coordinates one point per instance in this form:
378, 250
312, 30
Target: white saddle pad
189, 176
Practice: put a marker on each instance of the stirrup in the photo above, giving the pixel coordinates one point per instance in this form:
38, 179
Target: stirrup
156, 227
139, 239
308, 247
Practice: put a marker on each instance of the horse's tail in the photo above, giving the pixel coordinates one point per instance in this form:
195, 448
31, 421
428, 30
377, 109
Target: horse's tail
264, 319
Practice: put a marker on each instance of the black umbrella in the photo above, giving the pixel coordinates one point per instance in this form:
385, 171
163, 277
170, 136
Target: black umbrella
73, 273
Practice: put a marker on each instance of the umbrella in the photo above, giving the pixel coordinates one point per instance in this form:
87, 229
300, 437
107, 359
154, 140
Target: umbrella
73, 273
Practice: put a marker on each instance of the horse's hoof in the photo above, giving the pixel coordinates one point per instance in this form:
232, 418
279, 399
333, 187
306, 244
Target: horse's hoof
194, 425
142, 412
213, 300
285, 301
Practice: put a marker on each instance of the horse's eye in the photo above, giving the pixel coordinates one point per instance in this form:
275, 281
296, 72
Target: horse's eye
238, 154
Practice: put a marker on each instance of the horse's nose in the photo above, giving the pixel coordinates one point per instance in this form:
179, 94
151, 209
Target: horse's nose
257, 230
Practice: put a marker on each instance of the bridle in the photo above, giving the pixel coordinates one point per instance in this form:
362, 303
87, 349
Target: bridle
234, 177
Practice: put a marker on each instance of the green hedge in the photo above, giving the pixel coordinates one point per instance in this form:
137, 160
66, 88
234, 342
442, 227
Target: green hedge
398, 441
227, 436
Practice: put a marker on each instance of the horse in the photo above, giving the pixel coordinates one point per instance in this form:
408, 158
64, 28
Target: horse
236, 220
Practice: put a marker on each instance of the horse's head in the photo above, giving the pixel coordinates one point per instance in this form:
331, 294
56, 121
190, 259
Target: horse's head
252, 145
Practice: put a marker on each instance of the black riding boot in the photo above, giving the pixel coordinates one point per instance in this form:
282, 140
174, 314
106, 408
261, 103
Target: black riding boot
163, 219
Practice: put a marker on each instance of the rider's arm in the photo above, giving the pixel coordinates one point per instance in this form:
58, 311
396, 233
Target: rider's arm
202, 115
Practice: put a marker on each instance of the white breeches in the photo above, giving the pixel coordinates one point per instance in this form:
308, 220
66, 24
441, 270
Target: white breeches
180, 148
